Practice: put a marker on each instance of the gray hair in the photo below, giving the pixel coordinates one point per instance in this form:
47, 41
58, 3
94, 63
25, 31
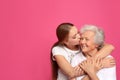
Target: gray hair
99, 33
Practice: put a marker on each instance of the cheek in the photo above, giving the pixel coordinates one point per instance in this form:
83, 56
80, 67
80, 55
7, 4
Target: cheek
90, 43
92, 46
71, 41
74, 41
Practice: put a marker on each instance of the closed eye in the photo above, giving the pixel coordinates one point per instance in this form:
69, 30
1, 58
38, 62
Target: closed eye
81, 38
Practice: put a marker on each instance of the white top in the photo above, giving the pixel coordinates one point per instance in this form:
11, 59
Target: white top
103, 74
68, 54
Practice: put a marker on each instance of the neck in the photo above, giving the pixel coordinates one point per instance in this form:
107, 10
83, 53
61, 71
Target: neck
91, 53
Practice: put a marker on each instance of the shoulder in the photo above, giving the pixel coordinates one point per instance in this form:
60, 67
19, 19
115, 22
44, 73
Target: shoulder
58, 50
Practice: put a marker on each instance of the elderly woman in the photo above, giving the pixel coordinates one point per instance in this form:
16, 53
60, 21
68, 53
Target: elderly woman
92, 39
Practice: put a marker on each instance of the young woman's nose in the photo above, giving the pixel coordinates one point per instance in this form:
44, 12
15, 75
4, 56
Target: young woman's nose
78, 36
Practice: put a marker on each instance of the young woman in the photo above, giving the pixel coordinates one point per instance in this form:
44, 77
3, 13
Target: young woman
65, 49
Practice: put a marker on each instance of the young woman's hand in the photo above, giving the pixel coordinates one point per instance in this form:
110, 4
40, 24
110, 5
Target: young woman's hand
108, 62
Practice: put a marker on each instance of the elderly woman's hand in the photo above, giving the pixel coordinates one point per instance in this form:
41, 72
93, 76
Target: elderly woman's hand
91, 65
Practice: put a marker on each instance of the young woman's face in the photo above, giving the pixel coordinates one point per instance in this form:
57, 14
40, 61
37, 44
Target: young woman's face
73, 37
87, 41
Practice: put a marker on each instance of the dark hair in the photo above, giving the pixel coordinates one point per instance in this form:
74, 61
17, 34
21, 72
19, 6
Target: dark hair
62, 32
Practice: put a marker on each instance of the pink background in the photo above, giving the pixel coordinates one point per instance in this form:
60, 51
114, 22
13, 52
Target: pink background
27, 32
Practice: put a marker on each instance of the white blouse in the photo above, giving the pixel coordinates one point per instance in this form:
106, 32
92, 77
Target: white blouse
68, 54
103, 74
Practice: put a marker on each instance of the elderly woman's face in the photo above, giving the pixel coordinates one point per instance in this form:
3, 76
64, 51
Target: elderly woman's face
87, 41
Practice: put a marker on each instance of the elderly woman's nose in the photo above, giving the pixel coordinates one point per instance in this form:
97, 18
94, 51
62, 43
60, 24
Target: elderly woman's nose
82, 41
